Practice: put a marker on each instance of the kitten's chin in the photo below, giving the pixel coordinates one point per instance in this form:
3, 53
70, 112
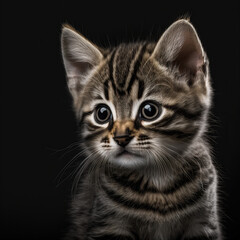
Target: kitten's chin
126, 159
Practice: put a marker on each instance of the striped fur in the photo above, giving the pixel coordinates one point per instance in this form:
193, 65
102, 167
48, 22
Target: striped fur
165, 187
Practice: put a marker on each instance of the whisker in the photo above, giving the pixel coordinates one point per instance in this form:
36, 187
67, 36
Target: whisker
74, 144
80, 170
62, 172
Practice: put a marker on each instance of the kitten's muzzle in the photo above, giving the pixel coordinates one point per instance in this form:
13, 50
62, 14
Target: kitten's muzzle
123, 132
123, 140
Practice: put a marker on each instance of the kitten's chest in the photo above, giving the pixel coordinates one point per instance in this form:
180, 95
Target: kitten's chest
136, 198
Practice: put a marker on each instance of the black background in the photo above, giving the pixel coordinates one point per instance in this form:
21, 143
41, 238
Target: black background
37, 122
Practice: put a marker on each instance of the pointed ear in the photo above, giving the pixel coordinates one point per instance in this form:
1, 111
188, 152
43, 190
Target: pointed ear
180, 47
79, 57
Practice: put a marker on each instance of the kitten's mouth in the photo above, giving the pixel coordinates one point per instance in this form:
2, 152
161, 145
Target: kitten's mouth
126, 153
128, 159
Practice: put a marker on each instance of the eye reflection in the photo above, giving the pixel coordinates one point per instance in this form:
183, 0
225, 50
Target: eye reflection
150, 111
102, 114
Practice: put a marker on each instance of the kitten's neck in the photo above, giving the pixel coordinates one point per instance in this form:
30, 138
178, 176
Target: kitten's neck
162, 178
151, 178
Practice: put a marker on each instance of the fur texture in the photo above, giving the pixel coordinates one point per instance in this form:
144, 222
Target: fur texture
142, 110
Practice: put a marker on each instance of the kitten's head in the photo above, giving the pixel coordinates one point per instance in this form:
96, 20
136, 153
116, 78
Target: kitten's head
138, 104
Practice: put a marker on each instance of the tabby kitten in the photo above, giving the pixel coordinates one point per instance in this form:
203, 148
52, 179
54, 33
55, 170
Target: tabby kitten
142, 109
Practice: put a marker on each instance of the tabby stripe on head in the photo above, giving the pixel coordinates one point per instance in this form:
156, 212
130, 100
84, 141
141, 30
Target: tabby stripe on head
165, 121
85, 114
168, 120
105, 87
173, 132
140, 88
177, 133
136, 67
129, 62
184, 112
121, 92
111, 69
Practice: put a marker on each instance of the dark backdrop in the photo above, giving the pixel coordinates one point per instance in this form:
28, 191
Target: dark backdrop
37, 123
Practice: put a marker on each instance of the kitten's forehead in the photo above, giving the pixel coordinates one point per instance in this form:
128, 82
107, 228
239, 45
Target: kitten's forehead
124, 86
123, 107
121, 79
124, 64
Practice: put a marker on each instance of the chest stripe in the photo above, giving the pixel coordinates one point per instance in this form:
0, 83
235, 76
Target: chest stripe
163, 209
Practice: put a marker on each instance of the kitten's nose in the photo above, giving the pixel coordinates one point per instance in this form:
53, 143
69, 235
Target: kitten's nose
123, 132
123, 140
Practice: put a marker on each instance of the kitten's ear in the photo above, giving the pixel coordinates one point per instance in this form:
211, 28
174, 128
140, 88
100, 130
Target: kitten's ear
79, 57
180, 46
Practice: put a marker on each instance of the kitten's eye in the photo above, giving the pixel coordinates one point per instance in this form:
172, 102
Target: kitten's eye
150, 111
102, 114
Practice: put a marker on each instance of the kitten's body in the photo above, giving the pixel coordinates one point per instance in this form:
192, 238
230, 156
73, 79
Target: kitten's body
153, 178
134, 207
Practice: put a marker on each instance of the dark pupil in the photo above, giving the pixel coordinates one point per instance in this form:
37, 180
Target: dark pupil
149, 110
103, 113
